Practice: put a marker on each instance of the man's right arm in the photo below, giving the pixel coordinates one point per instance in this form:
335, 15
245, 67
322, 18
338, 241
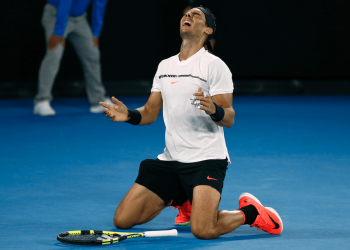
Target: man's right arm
149, 112
62, 16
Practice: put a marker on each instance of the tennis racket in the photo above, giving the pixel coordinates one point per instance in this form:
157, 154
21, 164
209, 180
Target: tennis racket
96, 237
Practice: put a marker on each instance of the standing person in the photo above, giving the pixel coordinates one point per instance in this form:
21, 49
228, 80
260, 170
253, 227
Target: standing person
67, 19
194, 162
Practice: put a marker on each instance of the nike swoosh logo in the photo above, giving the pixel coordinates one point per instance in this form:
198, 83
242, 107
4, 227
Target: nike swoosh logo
174, 82
277, 226
211, 178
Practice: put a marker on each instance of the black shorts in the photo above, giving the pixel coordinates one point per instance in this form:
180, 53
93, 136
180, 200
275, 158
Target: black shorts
173, 180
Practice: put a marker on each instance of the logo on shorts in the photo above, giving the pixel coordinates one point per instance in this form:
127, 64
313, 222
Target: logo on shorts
209, 178
174, 82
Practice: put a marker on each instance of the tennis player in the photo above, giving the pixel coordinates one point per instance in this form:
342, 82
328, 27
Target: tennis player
194, 162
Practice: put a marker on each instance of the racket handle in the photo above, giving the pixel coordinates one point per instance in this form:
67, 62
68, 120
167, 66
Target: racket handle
162, 233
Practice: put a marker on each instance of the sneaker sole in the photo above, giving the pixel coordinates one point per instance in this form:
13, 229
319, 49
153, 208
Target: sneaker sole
183, 224
250, 196
38, 113
96, 111
278, 216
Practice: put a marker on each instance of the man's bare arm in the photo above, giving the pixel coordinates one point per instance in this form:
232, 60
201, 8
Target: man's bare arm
225, 102
149, 112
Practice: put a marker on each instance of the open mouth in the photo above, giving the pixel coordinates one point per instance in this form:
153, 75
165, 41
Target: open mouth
187, 23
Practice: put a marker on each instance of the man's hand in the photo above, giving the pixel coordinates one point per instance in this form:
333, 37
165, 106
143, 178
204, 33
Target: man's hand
96, 42
54, 40
117, 113
207, 102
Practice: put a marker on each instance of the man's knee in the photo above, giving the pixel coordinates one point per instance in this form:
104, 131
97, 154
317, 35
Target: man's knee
203, 232
122, 223
91, 55
53, 57
55, 53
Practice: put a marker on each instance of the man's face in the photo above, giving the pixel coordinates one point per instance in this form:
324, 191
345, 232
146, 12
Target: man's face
192, 23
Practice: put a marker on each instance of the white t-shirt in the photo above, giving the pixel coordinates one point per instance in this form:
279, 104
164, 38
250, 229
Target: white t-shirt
191, 135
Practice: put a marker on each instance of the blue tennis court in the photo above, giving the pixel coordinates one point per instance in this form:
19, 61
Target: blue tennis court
70, 171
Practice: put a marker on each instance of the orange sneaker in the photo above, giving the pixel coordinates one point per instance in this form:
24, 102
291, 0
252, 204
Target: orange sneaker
268, 219
184, 216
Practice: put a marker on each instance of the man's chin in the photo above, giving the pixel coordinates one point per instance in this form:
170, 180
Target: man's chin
184, 33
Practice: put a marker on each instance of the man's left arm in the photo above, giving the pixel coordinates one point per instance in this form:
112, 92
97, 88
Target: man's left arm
225, 102
218, 102
98, 12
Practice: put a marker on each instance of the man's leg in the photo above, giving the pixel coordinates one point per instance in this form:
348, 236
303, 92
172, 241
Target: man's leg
206, 221
139, 206
82, 40
155, 186
51, 62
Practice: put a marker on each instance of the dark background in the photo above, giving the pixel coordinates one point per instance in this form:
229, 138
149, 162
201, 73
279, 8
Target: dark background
270, 46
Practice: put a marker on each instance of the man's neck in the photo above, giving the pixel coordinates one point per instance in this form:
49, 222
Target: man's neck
189, 48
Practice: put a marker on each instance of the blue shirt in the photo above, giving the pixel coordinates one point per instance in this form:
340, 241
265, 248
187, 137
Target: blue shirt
66, 8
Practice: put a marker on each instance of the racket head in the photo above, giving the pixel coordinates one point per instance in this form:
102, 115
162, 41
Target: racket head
95, 237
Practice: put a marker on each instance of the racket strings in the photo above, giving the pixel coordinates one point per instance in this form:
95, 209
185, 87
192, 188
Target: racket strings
85, 238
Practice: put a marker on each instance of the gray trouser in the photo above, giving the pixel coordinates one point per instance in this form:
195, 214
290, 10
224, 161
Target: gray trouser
78, 33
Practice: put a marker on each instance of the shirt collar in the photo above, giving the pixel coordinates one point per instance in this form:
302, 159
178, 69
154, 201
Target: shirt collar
199, 52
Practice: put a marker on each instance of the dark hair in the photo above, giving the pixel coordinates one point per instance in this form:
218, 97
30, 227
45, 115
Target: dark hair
207, 43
